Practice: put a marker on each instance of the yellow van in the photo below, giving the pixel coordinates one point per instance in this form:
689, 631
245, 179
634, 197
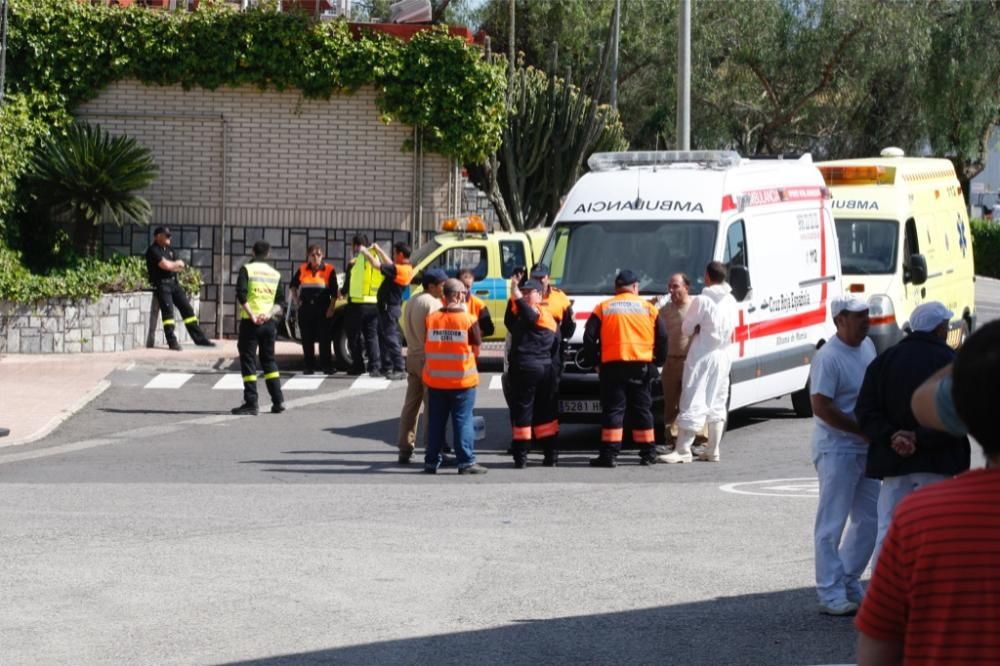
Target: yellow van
904, 239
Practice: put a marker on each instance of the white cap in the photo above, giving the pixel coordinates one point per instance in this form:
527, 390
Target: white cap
848, 303
928, 316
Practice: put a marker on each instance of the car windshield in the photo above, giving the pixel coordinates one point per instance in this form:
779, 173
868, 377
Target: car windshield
585, 257
868, 247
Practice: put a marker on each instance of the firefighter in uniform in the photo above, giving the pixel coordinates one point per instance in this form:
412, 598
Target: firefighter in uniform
314, 289
534, 355
628, 339
162, 265
363, 281
262, 298
477, 308
396, 276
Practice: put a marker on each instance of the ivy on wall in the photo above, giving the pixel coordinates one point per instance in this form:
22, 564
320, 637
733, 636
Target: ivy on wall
64, 52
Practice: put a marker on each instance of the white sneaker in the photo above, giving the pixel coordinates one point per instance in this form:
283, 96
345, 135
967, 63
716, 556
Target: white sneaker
839, 608
674, 458
704, 457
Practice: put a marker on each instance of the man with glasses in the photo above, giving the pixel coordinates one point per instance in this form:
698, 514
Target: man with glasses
163, 266
315, 292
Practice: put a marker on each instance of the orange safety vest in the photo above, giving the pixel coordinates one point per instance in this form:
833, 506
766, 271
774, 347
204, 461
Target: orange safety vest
556, 302
545, 319
404, 274
475, 305
448, 359
319, 279
628, 328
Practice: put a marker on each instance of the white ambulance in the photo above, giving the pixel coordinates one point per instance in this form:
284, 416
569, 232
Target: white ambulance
660, 213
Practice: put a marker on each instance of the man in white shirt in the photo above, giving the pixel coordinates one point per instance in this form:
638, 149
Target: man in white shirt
839, 451
710, 321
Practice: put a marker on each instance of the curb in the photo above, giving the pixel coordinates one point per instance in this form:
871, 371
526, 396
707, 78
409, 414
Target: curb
56, 421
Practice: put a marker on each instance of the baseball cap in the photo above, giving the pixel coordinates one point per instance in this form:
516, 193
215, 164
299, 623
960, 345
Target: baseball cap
626, 277
433, 276
539, 271
848, 304
531, 285
928, 316
161, 230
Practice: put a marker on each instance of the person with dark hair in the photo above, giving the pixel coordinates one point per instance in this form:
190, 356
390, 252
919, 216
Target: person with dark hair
315, 293
847, 499
262, 298
477, 308
361, 317
163, 266
903, 454
532, 374
396, 276
627, 340
933, 594
709, 322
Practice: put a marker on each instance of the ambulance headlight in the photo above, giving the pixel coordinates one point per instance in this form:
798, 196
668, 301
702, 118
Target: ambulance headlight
880, 310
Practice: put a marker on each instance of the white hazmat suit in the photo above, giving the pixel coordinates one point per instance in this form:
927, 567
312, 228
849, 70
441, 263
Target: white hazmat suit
705, 389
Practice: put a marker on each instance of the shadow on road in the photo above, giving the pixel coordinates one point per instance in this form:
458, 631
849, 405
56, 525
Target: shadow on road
771, 628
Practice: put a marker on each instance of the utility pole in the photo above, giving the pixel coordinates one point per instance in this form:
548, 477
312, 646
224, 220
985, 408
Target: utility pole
616, 28
684, 75
3, 48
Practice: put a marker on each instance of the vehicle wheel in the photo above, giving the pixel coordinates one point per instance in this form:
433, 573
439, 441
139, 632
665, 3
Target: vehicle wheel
963, 333
342, 348
801, 403
292, 324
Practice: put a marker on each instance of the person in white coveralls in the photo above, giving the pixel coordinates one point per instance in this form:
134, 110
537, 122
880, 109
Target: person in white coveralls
710, 320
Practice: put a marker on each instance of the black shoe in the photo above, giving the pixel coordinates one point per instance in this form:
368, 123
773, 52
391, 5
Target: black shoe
356, 372
601, 461
376, 374
330, 371
449, 461
277, 407
404, 458
473, 469
430, 470
520, 463
646, 462
551, 459
205, 343
245, 410
308, 371
448, 450
174, 345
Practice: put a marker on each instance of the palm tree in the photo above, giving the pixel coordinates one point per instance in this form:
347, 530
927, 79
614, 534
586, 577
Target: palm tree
90, 176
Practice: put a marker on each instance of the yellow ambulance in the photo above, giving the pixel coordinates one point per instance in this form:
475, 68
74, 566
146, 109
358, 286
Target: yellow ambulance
904, 239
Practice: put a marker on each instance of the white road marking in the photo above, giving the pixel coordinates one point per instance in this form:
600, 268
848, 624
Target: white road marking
496, 382
229, 382
370, 383
168, 380
302, 383
798, 487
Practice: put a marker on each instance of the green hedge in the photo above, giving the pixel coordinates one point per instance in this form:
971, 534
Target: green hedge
87, 280
986, 247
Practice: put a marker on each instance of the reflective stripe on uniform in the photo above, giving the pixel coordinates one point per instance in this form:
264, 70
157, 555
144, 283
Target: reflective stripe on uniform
191, 320
168, 322
612, 435
439, 356
451, 373
522, 434
249, 378
550, 429
272, 375
647, 436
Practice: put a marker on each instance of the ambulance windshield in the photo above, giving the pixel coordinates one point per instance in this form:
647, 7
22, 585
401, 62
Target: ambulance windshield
585, 257
868, 247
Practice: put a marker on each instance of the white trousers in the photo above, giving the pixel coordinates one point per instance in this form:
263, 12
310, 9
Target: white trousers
894, 489
846, 498
704, 390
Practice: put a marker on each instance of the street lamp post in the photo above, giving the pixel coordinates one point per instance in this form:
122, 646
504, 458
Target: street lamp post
684, 75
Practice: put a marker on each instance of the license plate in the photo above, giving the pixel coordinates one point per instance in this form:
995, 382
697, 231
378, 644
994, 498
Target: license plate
580, 406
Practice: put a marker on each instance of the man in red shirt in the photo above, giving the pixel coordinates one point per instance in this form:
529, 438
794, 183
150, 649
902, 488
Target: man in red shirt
935, 594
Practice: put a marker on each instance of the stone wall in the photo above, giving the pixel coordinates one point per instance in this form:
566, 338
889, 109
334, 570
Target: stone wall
115, 322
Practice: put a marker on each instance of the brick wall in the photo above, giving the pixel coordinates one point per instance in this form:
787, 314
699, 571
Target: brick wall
286, 168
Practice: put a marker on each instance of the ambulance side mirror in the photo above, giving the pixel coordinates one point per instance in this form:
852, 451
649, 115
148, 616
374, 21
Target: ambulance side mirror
916, 272
739, 280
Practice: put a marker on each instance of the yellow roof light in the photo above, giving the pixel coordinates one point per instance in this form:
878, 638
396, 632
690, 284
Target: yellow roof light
450, 224
475, 224
472, 224
858, 175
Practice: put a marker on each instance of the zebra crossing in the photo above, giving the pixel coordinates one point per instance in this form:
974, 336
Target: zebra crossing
233, 381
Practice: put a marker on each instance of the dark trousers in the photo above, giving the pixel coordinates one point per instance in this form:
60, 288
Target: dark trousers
315, 328
388, 339
251, 339
626, 393
170, 293
362, 329
533, 411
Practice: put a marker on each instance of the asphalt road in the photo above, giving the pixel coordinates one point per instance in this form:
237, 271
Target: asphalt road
153, 527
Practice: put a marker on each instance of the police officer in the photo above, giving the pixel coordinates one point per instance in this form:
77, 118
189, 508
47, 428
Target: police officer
162, 265
315, 291
626, 336
262, 298
361, 318
534, 354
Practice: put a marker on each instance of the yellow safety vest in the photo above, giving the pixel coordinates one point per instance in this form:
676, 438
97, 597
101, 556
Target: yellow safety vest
262, 288
365, 281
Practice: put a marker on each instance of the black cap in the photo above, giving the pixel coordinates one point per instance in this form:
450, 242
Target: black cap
161, 230
531, 285
625, 278
539, 271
